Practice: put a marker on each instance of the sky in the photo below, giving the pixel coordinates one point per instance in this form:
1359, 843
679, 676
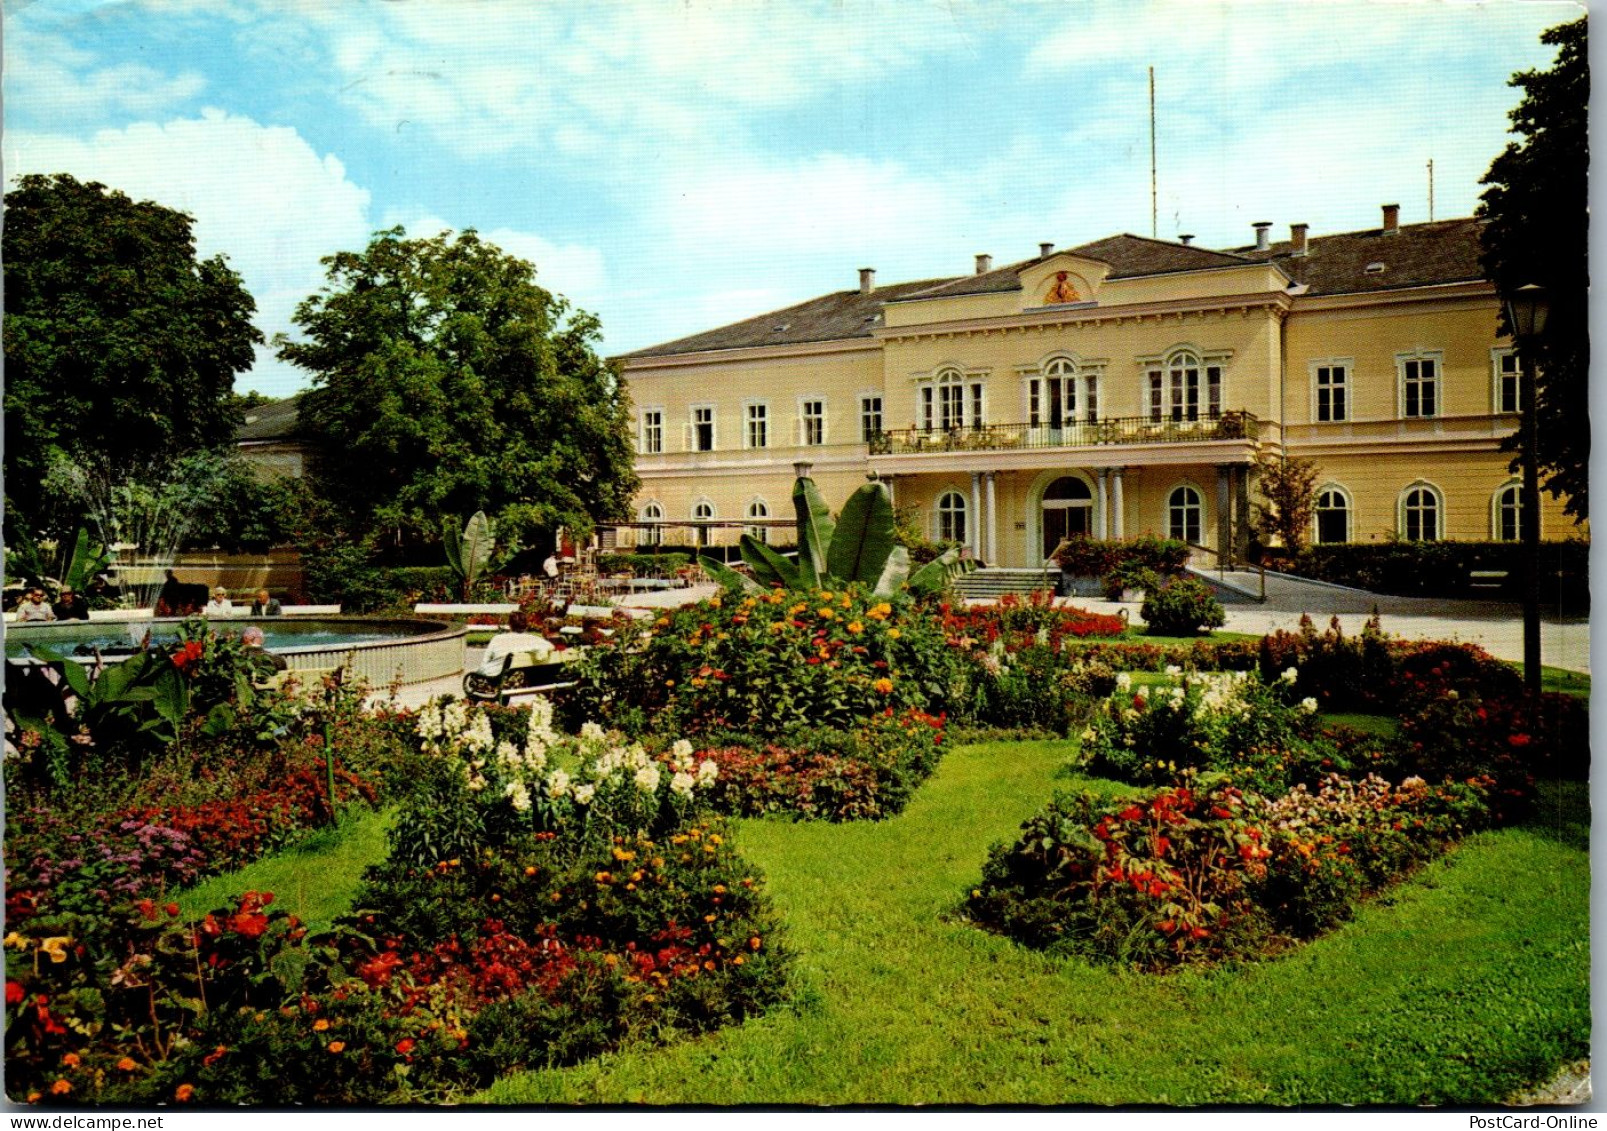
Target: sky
674, 165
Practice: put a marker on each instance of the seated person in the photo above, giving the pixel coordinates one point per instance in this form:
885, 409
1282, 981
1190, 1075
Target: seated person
33, 607
70, 606
253, 641
220, 605
518, 638
265, 606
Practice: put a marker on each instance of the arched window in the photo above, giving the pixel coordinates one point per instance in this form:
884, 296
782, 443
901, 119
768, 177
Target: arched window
702, 513
1332, 515
1183, 388
951, 517
1420, 514
1068, 508
1185, 515
653, 535
759, 509
1508, 513
950, 400
1062, 395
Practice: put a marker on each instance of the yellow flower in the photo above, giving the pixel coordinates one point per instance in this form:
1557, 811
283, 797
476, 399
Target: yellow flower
883, 685
715, 601
14, 939
825, 595
893, 634
855, 627
826, 612
777, 625
56, 947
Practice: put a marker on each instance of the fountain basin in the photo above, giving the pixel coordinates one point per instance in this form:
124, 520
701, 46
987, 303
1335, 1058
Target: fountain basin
380, 650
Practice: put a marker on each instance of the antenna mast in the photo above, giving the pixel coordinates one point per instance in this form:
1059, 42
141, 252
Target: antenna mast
1431, 189
1154, 227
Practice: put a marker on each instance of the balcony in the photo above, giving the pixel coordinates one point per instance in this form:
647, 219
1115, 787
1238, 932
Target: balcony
1112, 431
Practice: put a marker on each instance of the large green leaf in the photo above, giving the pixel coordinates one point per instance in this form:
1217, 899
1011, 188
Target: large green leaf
727, 577
863, 538
932, 578
769, 567
475, 549
815, 529
895, 571
452, 542
88, 559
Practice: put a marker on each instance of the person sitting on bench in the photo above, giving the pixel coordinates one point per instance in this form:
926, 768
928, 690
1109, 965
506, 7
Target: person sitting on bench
518, 638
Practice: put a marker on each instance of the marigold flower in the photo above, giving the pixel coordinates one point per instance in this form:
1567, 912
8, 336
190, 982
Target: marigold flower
893, 634
337, 1046
127, 1064
405, 1046
184, 1092
320, 1025
60, 1088
70, 1060
883, 685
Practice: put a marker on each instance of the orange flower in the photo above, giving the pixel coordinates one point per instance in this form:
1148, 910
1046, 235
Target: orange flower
60, 1088
184, 1092
337, 1046
883, 685
70, 1060
320, 1025
127, 1064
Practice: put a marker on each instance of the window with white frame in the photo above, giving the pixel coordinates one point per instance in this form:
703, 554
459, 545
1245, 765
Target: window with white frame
1508, 516
758, 426
652, 431
1421, 511
1332, 515
702, 514
1184, 388
758, 508
1504, 363
951, 400
1420, 384
652, 535
703, 428
812, 421
951, 517
870, 418
1332, 389
1061, 395
1185, 515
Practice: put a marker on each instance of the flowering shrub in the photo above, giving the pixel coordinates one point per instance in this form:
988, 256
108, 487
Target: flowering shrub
1182, 607
768, 662
1197, 655
866, 771
1014, 623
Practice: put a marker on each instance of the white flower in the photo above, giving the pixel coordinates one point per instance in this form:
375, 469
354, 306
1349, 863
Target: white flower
1143, 691
591, 732
518, 794
557, 784
1124, 680
584, 793
707, 771
476, 782
647, 778
1088, 734
1308, 705
1289, 675
508, 754
681, 752
1173, 669
681, 783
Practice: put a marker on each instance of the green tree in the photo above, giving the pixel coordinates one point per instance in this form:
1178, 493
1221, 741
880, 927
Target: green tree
1537, 230
445, 382
1288, 486
121, 346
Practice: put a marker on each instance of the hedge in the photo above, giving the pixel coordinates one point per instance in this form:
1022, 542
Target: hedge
1445, 569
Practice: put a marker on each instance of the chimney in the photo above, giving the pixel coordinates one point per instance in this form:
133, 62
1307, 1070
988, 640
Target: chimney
984, 264
1297, 237
1044, 249
1187, 239
1262, 238
867, 280
1392, 219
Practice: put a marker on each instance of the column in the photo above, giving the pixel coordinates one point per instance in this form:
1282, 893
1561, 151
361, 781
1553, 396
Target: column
1241, 507
1224, 513
1102, 527
975, 531
1118, 505
993, 522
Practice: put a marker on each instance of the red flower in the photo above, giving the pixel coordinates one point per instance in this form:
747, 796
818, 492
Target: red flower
1132, 813
15, 993
405, 1046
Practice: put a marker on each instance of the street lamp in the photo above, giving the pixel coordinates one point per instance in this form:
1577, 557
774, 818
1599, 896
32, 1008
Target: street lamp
1526, 314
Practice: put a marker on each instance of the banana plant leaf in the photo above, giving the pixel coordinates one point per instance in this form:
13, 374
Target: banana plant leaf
863, 539
932, 578
769, 567
729, 578
815, 530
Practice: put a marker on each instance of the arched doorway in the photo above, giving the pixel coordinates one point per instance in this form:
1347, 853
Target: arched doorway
1068, 511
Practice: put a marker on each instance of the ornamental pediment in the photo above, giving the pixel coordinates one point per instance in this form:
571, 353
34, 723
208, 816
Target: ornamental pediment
1063, 279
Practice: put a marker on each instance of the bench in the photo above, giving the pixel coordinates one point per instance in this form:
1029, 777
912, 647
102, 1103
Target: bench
1487, 579
523, 673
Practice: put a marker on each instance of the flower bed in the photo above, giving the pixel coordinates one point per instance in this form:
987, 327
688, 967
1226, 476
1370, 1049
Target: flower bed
540, 901
1013, 623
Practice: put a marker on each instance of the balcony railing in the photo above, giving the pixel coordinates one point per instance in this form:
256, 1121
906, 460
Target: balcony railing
1071, 434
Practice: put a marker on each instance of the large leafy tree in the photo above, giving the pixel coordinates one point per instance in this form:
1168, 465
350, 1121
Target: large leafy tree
445, 382
121, 346
1537, 230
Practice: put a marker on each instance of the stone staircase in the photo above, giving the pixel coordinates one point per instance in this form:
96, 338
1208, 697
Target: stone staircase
995, 581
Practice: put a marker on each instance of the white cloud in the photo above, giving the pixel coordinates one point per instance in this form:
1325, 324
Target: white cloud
259, 194
45, 69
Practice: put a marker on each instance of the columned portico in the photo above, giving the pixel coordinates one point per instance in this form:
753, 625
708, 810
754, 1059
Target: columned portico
993, 521
976, 510
1118, 507
1103, 524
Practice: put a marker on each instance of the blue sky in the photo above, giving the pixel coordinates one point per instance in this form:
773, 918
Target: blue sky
673, 165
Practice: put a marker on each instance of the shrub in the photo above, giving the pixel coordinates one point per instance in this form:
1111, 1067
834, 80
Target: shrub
1095, 557
1182, 607
1445, 568
643, 565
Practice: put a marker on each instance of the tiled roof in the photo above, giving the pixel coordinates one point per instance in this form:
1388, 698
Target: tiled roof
830, 318
1445, 251
275, 420
1416, 255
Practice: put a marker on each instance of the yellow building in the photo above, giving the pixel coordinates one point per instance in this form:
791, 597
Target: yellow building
1121, 387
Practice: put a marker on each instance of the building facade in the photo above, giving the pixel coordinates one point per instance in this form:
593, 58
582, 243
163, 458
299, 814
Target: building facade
1125, 386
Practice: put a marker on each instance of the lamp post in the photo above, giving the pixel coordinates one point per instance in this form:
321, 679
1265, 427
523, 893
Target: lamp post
1526, 314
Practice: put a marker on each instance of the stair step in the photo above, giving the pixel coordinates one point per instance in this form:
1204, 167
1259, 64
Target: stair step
997, 581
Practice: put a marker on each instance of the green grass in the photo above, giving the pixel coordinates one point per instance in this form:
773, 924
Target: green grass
1465, 984
315, 880
1564, 682
1385, 726
1141, 636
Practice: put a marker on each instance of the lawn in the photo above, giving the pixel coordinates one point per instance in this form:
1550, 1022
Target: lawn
1465, 984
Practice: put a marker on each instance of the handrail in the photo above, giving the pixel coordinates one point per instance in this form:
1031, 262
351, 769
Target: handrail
1231, 425
1222, 566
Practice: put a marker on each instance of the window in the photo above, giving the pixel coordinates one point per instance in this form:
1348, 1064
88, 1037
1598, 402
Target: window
1182, 388
702, 514
1185, 515
951, 517
1507, 375
813, 415
1509, 513
758, 426
703, 428
653, 535
1420, 514
1333, 392
1061, 395
1332, 516
759, 509
652, 432
950, 402
870, 418
1420, 385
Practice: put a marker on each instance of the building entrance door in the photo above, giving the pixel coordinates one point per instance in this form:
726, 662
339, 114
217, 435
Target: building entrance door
1068, 510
